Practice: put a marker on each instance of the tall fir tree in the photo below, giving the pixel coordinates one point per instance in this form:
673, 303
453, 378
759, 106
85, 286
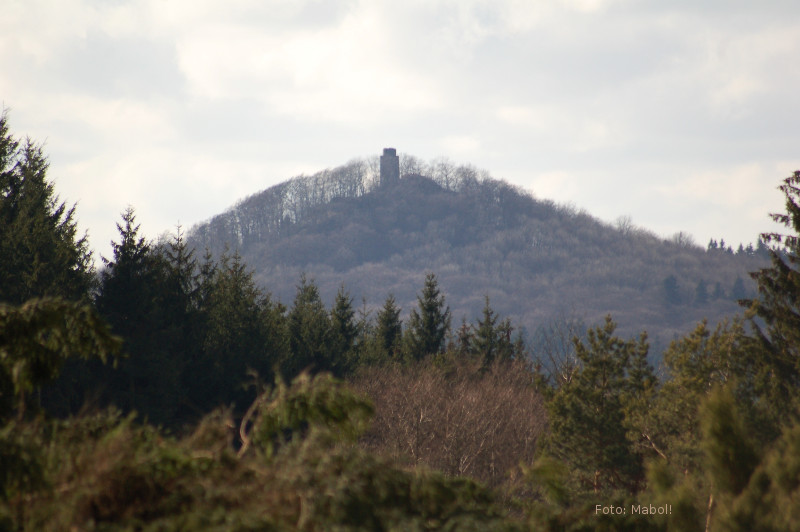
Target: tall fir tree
775, 312
40, 252
491, 340
389, 328
429, 323
244, 331
132, 297
344, 332
309, 332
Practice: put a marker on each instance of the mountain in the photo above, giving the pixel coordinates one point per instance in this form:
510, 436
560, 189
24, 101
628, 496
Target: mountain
536, 260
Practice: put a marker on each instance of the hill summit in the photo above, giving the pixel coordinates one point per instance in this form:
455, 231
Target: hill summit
536, 260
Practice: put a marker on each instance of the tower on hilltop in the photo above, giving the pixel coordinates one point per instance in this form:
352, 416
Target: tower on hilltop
390, 167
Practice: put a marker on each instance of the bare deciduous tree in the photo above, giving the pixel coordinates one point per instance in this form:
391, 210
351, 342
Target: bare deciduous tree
458, 419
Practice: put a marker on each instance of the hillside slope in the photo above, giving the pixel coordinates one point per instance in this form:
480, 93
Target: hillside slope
481, 236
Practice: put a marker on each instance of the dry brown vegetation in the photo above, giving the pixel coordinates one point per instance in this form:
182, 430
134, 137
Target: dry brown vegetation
461, 418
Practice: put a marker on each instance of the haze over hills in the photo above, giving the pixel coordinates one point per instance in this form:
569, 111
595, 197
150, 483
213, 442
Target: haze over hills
536, 260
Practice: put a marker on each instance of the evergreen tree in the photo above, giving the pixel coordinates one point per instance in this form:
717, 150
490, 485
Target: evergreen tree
133, 298
309, 332
775, 311
492, 339
461, 345
344, 332
244, 332
695, 365
36, 339
429, 323
389, 328
588, 415
40, 253
485, 340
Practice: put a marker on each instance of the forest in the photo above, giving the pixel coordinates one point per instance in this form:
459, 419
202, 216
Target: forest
169, 390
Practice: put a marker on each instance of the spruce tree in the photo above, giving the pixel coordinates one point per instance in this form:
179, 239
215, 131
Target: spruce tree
40, 252
244, 333
429, 323
344, 331
389, 328
485, 339
309, 332
775, 312
133, 298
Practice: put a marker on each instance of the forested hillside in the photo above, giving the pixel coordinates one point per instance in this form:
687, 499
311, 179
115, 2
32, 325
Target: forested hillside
536, 260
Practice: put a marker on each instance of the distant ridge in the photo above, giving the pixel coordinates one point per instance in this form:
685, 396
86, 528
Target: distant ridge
535, 260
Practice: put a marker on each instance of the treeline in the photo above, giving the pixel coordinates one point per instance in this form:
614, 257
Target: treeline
195, 331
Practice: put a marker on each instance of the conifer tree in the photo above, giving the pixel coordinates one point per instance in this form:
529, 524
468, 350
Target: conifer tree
588, 415
389, 328
492, 339
775, 311
464, 338
429, 323
132, 297
245, 332
344, 331
36, 338
40, 252
309, 332
485, 340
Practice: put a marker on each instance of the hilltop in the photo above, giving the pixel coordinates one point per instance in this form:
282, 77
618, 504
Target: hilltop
537, 261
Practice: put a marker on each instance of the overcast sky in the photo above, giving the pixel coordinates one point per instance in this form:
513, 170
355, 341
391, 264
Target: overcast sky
682, 115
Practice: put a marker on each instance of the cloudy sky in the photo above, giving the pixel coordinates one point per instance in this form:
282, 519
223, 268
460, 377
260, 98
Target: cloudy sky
682, 115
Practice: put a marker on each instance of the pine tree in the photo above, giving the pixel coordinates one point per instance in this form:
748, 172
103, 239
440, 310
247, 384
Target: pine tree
429, 323
589, 429
40, 253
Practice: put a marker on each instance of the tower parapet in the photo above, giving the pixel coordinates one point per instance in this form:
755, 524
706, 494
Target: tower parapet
390, 167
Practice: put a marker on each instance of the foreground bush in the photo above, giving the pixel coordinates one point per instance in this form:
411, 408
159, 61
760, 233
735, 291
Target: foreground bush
297, 471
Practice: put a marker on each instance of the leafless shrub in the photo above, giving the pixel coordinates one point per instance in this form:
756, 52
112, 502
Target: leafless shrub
461, 419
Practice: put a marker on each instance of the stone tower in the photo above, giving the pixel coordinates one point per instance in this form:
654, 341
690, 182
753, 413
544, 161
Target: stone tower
390, 167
